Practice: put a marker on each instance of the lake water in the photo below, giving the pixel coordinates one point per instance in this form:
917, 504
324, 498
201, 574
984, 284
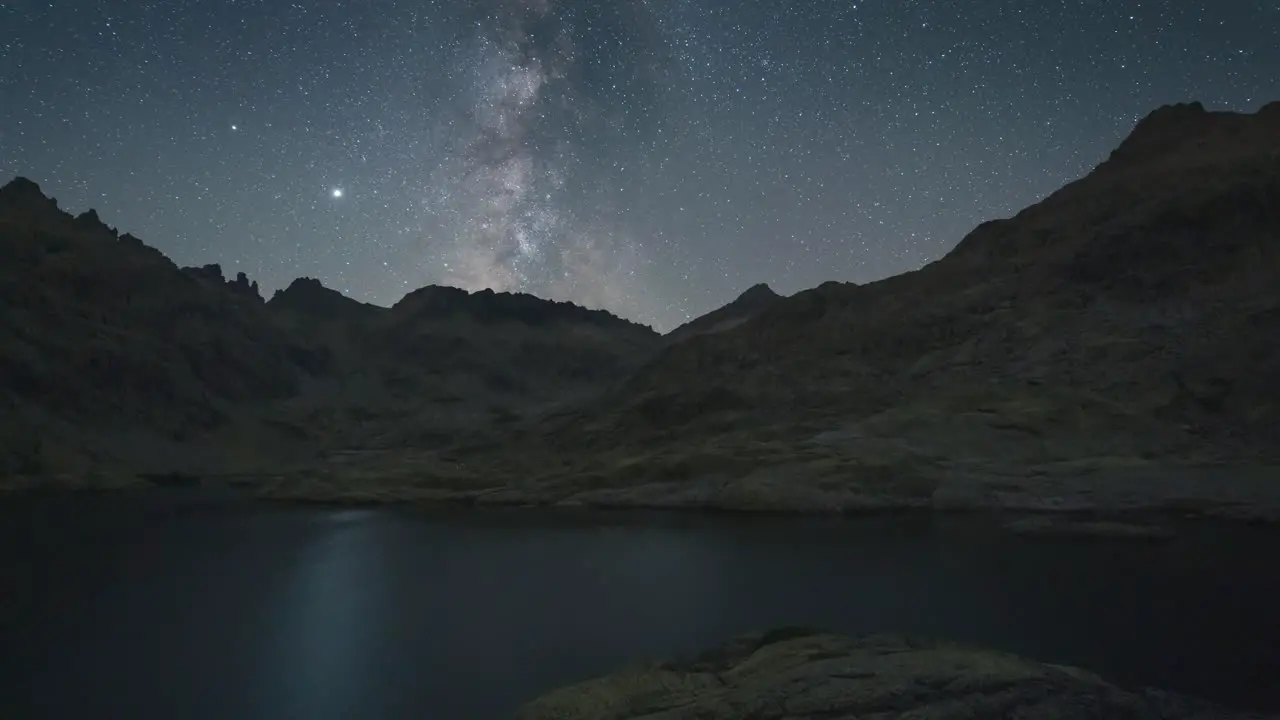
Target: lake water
175, 605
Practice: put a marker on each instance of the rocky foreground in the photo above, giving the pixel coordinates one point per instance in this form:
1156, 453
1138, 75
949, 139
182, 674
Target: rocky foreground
794, 674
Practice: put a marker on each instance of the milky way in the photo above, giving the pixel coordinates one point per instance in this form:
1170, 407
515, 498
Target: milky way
652, 157
500, 194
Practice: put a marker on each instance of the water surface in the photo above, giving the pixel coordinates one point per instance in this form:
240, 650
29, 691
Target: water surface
172, 604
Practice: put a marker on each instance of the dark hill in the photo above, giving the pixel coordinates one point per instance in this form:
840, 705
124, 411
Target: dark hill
115, 362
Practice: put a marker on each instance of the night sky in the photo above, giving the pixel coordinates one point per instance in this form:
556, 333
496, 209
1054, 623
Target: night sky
653, 157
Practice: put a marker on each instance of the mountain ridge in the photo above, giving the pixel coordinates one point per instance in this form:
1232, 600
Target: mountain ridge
115, 360
21, 190
1111, 347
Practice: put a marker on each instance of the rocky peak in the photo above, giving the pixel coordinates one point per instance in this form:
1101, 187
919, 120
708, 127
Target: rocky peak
487, 306
212, 273
302, 288
88, 221
432, 300
309, 296
1188, 190
242, 286
1166, 128
760, 292
21, 193
752, 302
21, 188
1174, 115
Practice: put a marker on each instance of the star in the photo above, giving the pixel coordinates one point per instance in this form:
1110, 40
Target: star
648, 158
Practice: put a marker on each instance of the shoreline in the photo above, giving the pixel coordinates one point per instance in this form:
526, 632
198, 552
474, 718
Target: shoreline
1247, 493
1058, 494
1041, 517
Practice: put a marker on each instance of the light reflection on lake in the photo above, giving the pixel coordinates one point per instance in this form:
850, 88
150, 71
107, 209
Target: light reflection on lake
172, 605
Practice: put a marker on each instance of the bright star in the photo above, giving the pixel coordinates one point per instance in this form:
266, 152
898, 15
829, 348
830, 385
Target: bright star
233, 127
337, 192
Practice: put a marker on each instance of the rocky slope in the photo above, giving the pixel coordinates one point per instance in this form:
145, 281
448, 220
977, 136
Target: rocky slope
115, 363
1114, 347
803, 675
100, 333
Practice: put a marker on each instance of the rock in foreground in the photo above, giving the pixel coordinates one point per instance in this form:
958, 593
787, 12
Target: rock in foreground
794, 674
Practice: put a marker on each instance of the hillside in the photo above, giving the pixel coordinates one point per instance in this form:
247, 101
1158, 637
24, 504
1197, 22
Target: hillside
1150, 283
115, 363
1114, 346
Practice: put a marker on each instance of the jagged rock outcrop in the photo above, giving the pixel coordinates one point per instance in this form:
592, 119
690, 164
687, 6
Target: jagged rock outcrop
213, 273
797, 674
309, 297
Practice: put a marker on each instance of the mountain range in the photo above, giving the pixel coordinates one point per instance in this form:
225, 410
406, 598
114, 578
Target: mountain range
117, 364
1115, 346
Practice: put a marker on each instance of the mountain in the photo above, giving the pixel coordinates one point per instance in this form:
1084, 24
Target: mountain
1116, 345
99, 332
115, 363
746, 306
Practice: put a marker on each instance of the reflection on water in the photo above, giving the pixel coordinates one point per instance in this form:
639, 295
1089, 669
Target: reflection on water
168, 606
328, 589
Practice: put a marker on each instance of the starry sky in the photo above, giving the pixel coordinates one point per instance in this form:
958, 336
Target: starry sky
651, 157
